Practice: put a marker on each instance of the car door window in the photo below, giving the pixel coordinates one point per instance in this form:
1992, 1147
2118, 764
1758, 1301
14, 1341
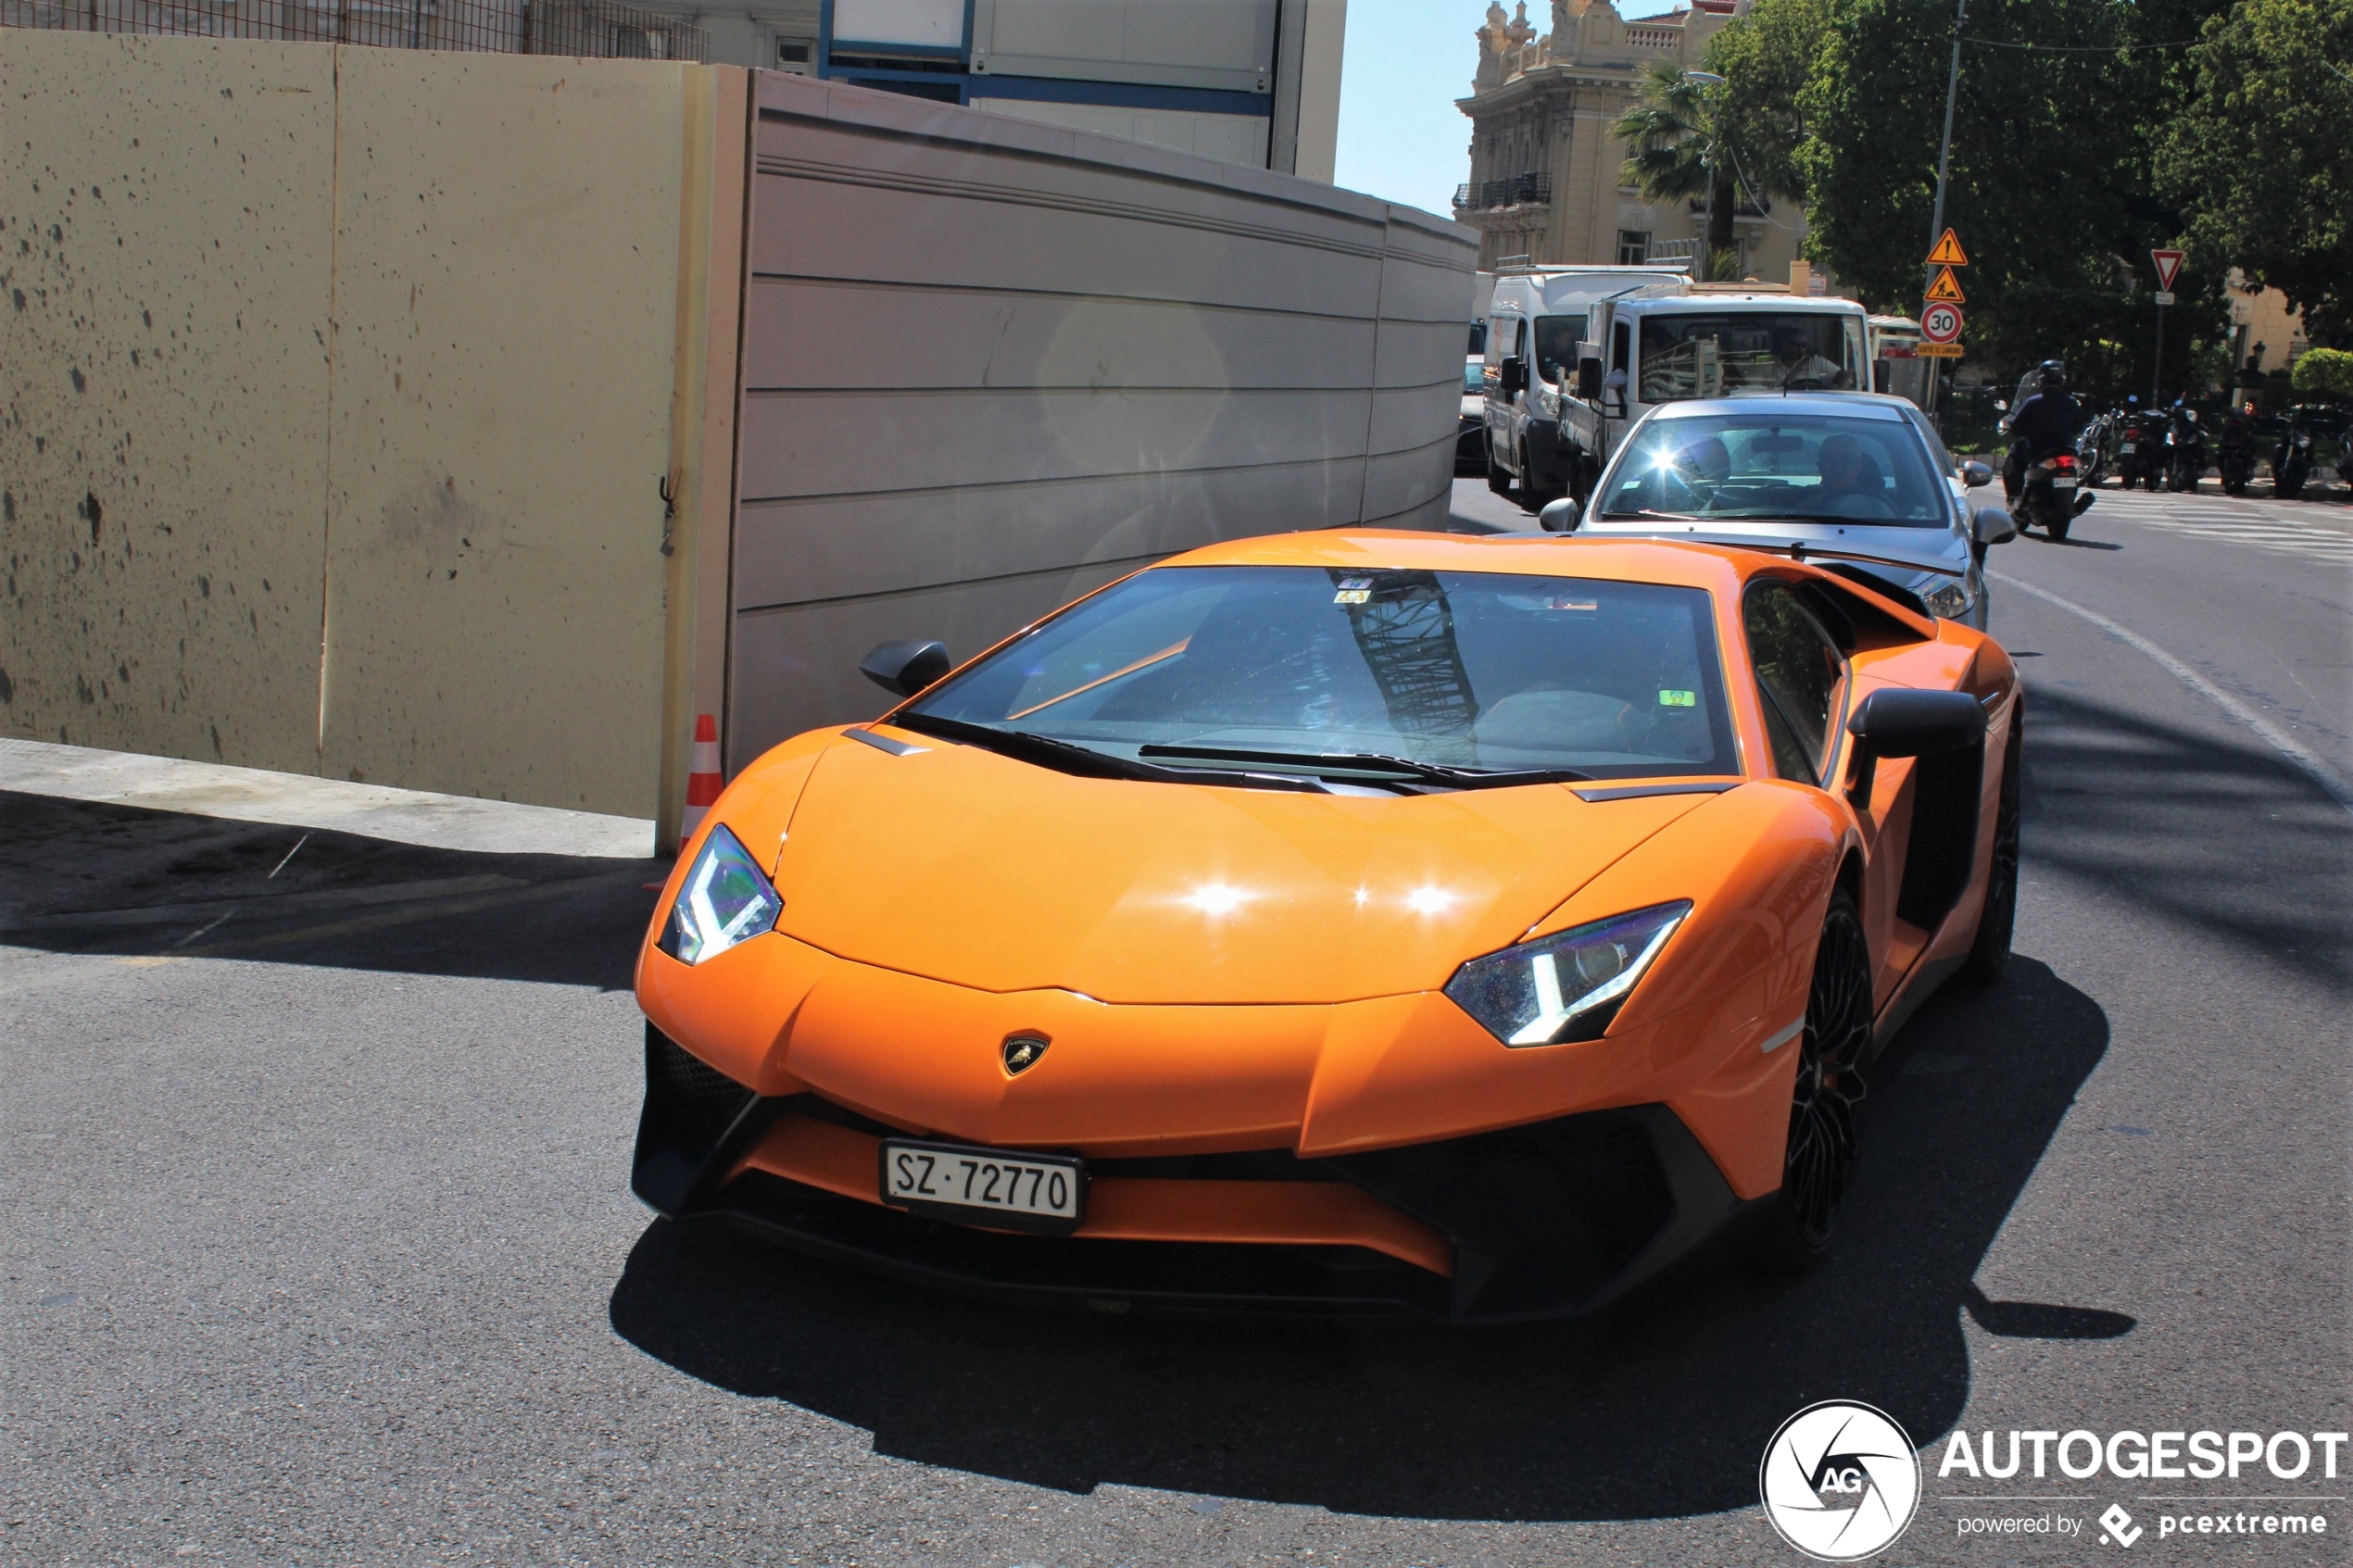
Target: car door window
1800, 679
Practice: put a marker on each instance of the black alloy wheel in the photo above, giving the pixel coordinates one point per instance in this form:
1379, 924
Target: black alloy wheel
1988, 952
1820, 1159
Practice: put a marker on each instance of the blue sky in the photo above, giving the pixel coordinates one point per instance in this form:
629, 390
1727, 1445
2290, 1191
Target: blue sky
1406, 62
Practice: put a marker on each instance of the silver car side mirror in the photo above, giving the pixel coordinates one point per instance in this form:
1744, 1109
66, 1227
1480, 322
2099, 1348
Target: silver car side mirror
1561, 516
1995, 526
1975, 474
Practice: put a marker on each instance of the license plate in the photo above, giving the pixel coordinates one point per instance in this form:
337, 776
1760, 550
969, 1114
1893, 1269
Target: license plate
2066, 482
2126, 448
986, 1186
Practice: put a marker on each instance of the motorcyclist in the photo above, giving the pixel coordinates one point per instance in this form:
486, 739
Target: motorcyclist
2045, 424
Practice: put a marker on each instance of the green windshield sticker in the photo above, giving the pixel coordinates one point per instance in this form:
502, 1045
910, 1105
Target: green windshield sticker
1679, 699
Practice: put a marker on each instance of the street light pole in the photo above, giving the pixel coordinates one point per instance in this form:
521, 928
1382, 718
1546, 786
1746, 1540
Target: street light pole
1943, 169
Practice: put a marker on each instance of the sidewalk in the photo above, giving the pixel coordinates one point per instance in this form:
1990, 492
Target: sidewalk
251, 794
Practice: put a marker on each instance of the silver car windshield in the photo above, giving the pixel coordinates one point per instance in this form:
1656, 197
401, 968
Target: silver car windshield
1777, 463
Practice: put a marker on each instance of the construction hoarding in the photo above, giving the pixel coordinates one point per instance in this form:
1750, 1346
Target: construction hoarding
470, 422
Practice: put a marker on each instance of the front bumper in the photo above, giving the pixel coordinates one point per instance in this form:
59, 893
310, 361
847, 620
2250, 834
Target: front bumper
1544, 1221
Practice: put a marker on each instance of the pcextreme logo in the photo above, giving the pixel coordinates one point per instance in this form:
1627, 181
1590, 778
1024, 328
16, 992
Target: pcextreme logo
1840, 1481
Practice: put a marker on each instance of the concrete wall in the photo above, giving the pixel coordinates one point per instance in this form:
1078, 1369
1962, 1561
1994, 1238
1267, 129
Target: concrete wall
989, 364
340, 389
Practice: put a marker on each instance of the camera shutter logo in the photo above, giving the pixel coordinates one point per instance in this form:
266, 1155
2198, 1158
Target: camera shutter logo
1840, 1481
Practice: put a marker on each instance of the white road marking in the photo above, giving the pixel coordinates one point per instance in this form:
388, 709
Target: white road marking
2279, 740
2233, 522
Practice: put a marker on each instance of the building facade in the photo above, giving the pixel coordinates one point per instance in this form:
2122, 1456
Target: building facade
1246, 82
1544, 167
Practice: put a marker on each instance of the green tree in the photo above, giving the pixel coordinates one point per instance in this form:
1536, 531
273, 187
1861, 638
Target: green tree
2324, 372
1765, 59
2259, 154
2052, 143
1670, 131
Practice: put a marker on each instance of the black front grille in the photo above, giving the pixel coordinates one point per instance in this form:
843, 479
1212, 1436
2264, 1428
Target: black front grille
1938, 855
696, 1117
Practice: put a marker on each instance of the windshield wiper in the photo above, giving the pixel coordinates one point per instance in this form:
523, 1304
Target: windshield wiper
1339, 764
1064, 757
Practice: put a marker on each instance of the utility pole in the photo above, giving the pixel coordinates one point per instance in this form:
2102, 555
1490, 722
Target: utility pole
1703, 79
1944, 168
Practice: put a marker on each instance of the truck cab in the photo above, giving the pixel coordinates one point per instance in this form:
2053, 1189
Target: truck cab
1574, 356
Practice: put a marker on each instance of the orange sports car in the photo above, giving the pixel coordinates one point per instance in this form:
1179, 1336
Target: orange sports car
1356, 920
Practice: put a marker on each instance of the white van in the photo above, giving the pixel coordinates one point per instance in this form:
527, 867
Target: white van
1576, 355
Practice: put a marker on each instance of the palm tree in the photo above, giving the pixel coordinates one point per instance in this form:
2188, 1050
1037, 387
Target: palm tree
1674, 154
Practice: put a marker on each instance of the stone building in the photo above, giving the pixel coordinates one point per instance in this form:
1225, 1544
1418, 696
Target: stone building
1544, 168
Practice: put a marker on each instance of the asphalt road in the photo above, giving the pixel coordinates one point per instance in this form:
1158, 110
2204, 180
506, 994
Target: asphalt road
316, 1246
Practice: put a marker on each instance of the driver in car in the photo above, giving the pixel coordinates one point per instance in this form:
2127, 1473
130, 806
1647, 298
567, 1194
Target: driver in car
1705, 464
1799, 364
1850, 484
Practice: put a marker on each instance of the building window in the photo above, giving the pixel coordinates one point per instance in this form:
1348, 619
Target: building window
798, 55
1633, 247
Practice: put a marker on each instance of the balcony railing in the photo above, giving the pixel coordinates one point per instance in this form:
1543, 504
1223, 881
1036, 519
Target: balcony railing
1520, 190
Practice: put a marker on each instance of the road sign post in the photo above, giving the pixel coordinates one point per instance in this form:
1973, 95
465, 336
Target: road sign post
2169, 266
1940, 301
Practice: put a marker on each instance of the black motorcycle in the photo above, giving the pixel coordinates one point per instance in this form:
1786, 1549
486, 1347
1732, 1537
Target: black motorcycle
2234, 454
2185, 449
2291, 459
2091, 449
2140, 448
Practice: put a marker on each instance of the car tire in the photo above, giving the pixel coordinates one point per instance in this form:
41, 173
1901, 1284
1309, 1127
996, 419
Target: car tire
1796, 1222
1499, 478
1988, 952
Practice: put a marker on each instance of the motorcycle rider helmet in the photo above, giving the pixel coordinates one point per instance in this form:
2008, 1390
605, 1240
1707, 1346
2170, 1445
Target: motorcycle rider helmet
2050, 376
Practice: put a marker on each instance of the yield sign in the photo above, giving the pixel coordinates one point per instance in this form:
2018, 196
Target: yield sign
2168, 263
1946, 288
1947, 252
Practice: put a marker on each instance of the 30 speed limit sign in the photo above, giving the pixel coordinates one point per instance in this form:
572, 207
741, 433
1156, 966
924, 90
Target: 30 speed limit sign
1940, 322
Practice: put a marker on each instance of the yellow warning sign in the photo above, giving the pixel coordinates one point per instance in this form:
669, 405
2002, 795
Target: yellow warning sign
1946, 287
1938, 351
1948, 252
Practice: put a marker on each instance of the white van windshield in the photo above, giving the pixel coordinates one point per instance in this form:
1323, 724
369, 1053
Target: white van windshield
1712, 355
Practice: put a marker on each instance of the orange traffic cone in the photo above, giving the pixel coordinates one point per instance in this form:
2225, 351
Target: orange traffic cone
703, 782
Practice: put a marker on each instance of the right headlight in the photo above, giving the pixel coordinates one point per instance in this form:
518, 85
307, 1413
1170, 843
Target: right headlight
1568, 985
724, 902
1952, 600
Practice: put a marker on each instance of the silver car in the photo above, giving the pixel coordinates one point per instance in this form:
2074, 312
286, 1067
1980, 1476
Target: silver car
1857, 481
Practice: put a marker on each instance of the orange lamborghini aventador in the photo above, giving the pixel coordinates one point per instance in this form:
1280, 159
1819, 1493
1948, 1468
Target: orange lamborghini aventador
1354, 920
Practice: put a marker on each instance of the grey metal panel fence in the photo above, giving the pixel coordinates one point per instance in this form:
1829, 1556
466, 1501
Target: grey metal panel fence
591, 29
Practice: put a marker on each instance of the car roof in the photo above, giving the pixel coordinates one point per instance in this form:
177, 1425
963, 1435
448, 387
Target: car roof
1837, 405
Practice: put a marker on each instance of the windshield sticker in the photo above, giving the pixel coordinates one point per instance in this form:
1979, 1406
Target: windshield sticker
1679, 699
1353, 591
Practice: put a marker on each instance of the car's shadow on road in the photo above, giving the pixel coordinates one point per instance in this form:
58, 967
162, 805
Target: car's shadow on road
1661, 1408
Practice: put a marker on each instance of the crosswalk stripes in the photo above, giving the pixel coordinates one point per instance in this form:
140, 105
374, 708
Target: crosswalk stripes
2237, 523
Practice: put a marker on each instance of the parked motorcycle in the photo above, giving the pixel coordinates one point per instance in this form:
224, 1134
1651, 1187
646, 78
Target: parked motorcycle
2234, 453
2091, 449
2140, 447
2052, 498
2185, 449
2344, 455
2291, 460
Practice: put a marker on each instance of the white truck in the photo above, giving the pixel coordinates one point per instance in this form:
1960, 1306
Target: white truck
1576, 355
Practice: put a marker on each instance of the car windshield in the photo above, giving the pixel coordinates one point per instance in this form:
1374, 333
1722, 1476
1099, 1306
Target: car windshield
1437, 670
1777, 463
1475, 376
1556, 339
1710, 355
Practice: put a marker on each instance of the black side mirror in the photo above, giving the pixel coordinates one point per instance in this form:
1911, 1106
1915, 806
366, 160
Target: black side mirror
1995, 526
906, 667
1976, 474
1589, 379
1560, 516
1897, 722
1514, 375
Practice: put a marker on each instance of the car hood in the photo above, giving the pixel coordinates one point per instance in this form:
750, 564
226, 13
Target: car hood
963, 865
1936, 542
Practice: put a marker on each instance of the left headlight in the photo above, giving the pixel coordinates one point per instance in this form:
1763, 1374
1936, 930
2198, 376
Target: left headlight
1953, 600
723, 902
1568, 985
